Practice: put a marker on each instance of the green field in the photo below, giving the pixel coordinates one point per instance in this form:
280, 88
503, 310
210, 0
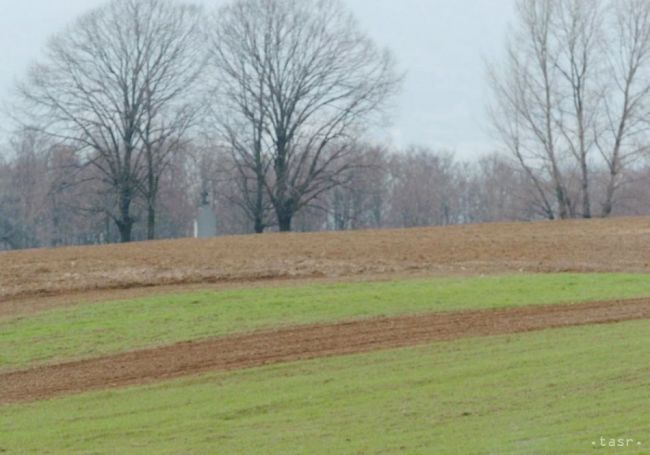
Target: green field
551, 392
548, 392
94, 329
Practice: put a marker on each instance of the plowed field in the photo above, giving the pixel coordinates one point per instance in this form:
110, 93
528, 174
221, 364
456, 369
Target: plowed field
578, 246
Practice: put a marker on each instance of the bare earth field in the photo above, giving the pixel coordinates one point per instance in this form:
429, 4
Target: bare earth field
57, 343
300, 343
573, 246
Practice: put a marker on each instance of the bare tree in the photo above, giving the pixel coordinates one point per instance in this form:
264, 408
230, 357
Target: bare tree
171, 105
625, 125
572, 97
423, 188
24, 190
362, 201
298, 80
239, 110
500, 191
526, 97
579, 31
114, 85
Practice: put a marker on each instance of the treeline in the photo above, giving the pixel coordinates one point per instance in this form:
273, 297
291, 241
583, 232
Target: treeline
141, 106
52, 199
49, 198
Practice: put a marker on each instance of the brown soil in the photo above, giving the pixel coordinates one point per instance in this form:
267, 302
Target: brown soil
596, 245
303, 342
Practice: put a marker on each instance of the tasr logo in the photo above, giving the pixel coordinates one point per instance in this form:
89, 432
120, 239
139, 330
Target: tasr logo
617, 443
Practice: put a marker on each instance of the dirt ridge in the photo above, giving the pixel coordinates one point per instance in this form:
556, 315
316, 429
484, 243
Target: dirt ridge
300, 343
612, 245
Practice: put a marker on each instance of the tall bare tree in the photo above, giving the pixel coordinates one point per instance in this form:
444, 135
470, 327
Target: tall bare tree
573, 96
526, 98
626, 105
298, 80
115, 84
578, 30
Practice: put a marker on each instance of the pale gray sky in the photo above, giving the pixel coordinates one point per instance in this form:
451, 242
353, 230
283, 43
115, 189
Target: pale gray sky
440, 44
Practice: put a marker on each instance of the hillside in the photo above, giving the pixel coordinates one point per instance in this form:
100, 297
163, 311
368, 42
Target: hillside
356, 342
578, 246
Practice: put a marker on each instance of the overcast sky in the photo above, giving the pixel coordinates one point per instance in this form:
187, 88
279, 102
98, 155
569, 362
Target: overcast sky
440, 44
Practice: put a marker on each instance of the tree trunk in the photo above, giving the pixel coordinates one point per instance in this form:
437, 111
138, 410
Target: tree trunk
285, 217
608, 205
562, 202
125, 222
125, 231
283, 204
259, 200
151, 222
614, 171
586, 201
151, 195
259, 225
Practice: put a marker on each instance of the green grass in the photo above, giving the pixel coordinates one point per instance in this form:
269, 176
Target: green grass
94, 329
551, 392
